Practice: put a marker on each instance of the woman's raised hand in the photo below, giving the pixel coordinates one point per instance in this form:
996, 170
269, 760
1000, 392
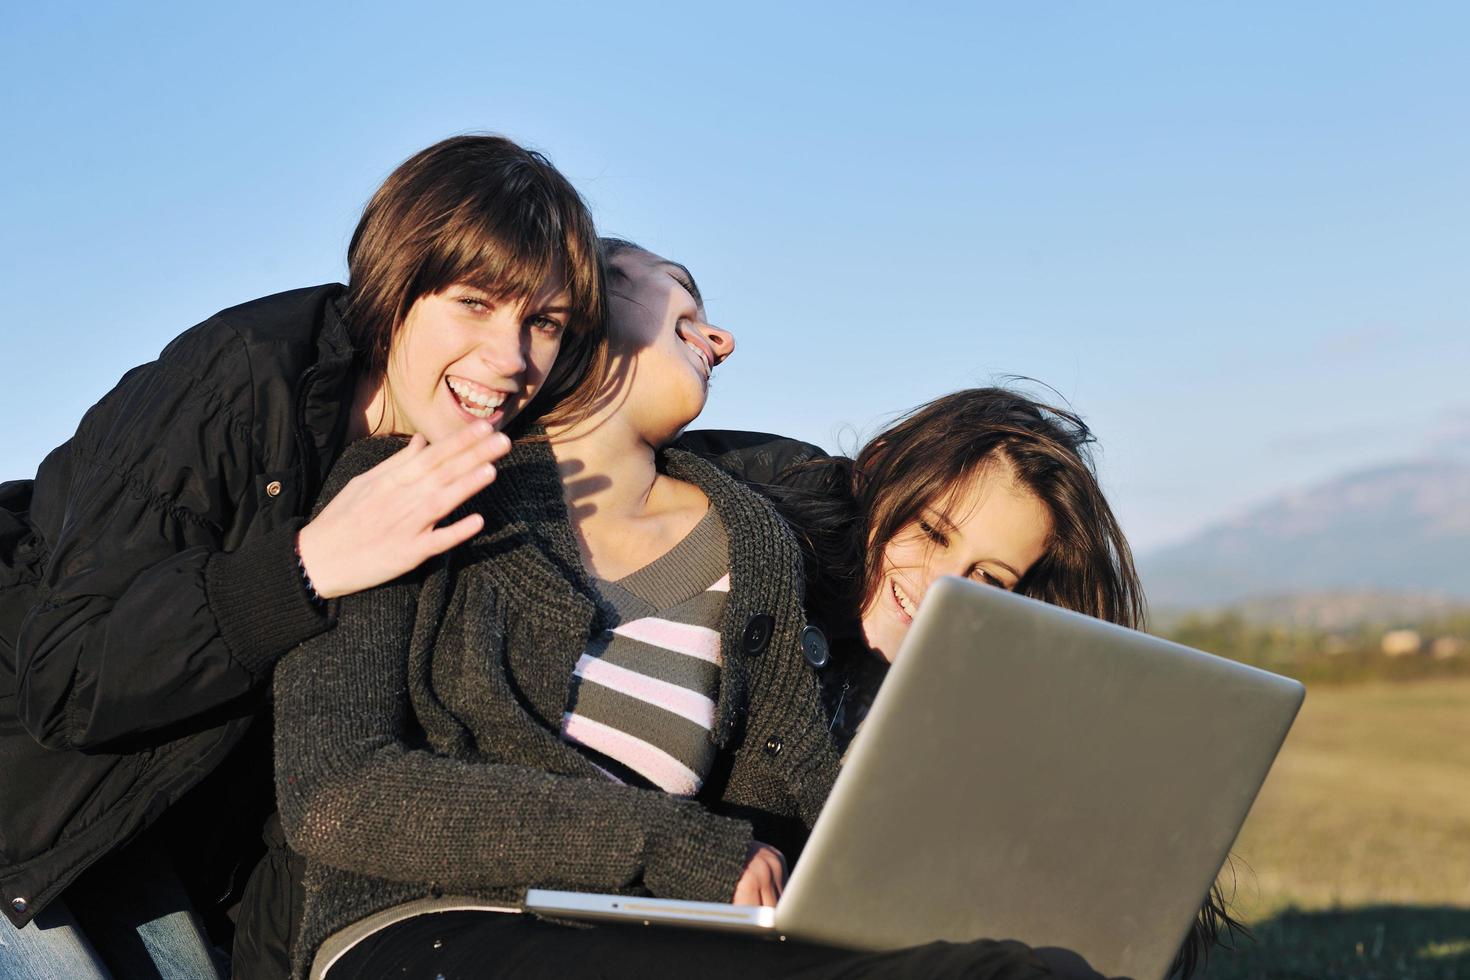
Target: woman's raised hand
763, 878
384, 522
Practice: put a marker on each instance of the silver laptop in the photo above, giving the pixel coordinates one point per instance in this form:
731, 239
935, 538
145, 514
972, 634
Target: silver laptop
1025, 773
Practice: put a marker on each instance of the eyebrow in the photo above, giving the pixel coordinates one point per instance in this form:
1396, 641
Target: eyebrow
526, 304
937, 518
1007, 568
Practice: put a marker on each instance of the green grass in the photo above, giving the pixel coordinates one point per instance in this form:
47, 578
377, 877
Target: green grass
1355, 861
1375, 943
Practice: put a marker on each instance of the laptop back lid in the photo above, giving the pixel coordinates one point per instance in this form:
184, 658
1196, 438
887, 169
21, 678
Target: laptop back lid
1032, 773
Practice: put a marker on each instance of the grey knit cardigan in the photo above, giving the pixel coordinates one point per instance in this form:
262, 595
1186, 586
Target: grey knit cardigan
417, 746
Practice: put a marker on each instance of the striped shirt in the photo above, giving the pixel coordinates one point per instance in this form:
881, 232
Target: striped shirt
643, 696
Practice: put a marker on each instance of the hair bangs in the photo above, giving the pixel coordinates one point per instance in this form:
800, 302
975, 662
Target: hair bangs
477, 210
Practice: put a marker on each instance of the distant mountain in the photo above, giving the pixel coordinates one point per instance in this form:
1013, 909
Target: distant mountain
1394, 529
1321, 611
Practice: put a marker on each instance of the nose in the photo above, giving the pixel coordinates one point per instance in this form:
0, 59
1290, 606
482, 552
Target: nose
503, 346
952, 564
720, 340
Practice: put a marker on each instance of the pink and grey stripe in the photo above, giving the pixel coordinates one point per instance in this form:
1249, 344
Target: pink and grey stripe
643, 697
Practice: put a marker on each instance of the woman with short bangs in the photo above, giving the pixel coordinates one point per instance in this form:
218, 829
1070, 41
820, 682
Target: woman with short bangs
162, 560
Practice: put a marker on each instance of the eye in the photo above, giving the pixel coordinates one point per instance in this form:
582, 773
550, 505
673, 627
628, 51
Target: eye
550, 326
473, 303
932, 533
981, 575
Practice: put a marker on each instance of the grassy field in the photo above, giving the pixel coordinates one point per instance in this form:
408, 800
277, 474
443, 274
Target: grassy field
1355, 862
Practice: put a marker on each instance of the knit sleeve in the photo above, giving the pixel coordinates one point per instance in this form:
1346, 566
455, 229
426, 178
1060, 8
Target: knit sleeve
359, 790
788, 702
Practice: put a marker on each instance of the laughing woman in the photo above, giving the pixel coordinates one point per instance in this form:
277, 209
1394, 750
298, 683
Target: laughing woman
161, 561
604, 692
986, 484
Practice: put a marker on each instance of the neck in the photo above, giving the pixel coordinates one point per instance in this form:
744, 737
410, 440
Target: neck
371, 410
608, 473
624, 513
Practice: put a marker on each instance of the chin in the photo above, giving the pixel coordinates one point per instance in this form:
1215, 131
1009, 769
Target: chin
667, 434
883, 641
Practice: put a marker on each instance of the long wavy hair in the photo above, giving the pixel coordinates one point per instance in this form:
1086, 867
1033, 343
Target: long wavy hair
923, 457
846, 511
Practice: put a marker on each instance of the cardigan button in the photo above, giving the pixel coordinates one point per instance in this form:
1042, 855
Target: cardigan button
773, 745
19, 904
814, 647
758, 635
273, 488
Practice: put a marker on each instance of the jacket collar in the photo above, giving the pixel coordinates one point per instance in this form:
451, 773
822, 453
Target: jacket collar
325, 392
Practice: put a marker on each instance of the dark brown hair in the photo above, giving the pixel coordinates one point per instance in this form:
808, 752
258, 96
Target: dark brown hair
921, 459
849, 509
590, 366
479, 210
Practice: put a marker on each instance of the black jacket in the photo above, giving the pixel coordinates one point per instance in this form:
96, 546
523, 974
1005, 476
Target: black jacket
148, 581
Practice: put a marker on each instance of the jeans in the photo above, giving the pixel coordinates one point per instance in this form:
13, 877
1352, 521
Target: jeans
127, 918
51, 945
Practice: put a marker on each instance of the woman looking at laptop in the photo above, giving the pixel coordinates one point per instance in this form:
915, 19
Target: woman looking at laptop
983, 483
605, 692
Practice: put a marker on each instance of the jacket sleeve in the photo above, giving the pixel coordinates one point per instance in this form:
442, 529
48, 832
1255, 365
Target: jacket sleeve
358, 790
143, 621
757, 458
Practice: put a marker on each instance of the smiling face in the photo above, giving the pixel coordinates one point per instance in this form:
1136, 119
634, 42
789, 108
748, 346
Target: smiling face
664, 348
460, 357
991, 529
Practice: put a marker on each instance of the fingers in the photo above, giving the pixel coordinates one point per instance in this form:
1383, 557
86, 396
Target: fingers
443, 539
465, 473
466, 485
764, 877
743, 893
472, 458
777, 875
385, 521
769, 891
467, 447
475, 443
445, 474
416, 445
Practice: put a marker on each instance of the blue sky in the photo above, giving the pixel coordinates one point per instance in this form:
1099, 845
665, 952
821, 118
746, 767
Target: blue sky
1234, 237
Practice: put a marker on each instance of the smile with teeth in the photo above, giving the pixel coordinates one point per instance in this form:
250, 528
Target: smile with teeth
910, 608
476, 399
704, 357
